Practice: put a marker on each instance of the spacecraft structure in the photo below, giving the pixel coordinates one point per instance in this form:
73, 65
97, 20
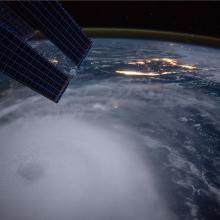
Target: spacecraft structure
23, 63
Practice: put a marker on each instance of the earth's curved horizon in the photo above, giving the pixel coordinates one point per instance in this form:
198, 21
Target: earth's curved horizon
135, 136
148, 34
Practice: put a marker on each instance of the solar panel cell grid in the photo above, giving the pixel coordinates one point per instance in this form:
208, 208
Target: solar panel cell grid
14, 22
43, 78
22, 63
58, 27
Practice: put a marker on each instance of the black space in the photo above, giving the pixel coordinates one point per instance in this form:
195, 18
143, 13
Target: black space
189, 17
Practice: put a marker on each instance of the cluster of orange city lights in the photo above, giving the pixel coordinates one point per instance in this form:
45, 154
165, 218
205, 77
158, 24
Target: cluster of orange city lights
162, 61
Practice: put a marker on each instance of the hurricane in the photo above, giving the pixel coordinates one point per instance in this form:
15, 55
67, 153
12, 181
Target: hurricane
135, 136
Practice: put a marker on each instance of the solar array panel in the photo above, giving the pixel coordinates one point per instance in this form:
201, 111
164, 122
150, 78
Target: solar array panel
51, 18
20, 62
16, 24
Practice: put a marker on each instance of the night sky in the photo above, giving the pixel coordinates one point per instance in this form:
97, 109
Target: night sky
190, 17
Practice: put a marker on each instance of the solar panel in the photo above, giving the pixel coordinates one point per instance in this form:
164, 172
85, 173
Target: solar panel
20, 62
16, 24
53, 20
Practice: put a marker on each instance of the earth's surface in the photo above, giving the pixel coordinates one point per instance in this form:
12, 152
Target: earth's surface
136, 136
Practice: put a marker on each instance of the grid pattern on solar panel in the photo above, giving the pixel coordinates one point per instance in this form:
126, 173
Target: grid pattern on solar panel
25, 65
55, 22
13, 22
